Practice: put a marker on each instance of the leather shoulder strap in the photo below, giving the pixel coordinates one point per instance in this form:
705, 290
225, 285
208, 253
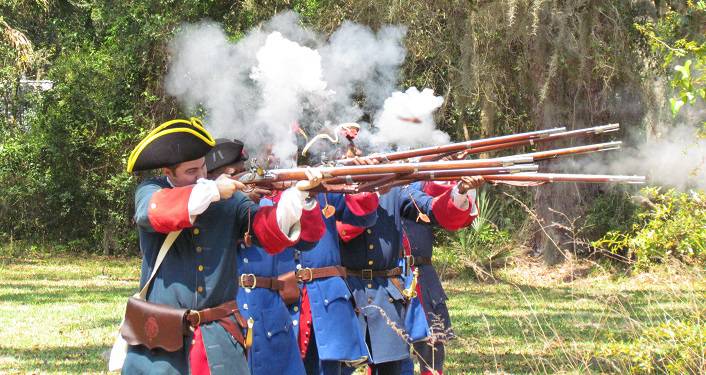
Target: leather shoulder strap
171, 237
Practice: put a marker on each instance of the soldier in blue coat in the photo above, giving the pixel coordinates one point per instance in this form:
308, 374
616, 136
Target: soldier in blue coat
324, 321
431, 354
198, 272
371, 260
274, 348
328, 327
271, 340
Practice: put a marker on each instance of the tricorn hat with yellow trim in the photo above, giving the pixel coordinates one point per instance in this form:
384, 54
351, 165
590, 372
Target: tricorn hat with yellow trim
226, 151
171, 143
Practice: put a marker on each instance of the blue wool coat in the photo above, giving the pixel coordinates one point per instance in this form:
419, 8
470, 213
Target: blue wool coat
378, 248
433, 298
335, 324
198, 272
380, 302
274, 349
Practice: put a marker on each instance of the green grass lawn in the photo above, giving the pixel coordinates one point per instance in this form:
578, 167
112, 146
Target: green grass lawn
59, 315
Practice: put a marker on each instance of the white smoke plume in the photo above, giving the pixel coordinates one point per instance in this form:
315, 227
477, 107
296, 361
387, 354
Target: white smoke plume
357, 60
281, 76
407, 119
287, 74
675, 159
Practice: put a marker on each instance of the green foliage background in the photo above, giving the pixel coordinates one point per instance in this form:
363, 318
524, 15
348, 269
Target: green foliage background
62, 152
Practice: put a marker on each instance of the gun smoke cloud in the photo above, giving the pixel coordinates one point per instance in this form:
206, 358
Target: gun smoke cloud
676, 159
282, 77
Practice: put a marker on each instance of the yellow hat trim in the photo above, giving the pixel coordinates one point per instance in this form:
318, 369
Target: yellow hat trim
156, 134
192, 121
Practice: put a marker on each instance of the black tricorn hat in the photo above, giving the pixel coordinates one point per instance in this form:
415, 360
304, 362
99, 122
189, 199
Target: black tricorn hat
171, 143
226, 151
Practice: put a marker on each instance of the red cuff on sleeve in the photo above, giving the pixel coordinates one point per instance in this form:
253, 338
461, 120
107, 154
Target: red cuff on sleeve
362, 203
267, 231
435, 189
169, 209
470, 218
347, 232
313, 227
447, 214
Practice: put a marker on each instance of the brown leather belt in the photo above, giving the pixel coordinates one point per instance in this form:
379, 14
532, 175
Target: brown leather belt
417, 260
220, 314
308, 274
248, 280
368, 274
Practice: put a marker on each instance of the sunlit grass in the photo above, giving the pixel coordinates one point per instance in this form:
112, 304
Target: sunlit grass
548, 326
59, 315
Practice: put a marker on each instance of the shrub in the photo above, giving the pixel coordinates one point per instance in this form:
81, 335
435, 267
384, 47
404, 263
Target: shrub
673, 225
483, 246
672, 347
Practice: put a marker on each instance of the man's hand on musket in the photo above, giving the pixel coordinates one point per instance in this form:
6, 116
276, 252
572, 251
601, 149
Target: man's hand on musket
469, 182
228, 186
358, 160
314, 176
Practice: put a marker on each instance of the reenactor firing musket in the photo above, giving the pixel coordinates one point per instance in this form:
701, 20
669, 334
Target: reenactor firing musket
280, 175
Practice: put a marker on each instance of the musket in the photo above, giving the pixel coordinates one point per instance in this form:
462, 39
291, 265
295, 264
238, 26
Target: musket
585, 132
385, 181
432, 174
570, 151
451, 174
534, 179
566, 177
296, 174
518, 179
455, 147
371, 182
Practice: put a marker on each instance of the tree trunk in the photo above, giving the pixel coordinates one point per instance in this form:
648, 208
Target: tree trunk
487, 120
560, 101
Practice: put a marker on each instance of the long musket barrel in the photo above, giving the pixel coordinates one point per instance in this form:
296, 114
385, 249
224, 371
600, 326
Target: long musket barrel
453, 174
578, 150
455, 147
566, 177
432, 174
536, 156
540, 178
555, 177
594, 130
277, 175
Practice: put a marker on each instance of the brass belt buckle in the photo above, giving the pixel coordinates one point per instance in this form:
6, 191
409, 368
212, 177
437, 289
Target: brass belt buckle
301, 276
367, 274
193, 325
254, 280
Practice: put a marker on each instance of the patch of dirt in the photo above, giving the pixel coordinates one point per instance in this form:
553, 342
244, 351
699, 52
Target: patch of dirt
532, 270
